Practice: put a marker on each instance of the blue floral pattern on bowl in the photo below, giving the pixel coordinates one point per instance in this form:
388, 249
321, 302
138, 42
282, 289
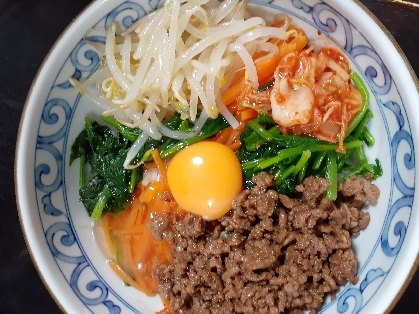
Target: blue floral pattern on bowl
54, 138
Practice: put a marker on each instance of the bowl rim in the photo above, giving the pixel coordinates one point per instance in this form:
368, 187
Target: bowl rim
57, 300
415, 80
17, 184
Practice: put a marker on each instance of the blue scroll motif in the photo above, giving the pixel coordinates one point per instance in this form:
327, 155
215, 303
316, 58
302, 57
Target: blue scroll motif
90, 55
77, 75
299, 4
136, 9
96, 39
85, 60
331, 25
356, 294
45, 143
154, 4
52, 118
372, 275
50, 209
57, 114
45, 169
91, 286
370, 72
402, 134
399, 228
350, 293
408, 161
393, 106
112, 307
67, 240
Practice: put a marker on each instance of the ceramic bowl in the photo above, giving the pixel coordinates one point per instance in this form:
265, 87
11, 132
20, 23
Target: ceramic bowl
59, 232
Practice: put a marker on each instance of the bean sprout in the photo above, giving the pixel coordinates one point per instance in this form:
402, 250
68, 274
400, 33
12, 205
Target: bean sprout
178, 58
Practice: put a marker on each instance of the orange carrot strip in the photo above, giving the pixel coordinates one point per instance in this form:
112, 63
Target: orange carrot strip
123, 275
149, 192
166, 206
168, 252
248, 114
235, 134
150, 165
235, 146
107, 234
232, 92
223, 135
132, 216
233, 107
158, 204
159, 253
265, 68
142, 211
145, 285
139, 253
162, 250
118, 221
133, 265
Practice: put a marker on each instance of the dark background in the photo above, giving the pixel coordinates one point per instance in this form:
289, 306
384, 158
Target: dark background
28, 29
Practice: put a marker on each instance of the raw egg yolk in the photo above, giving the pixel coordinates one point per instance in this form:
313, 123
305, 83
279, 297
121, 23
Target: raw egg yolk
204, 178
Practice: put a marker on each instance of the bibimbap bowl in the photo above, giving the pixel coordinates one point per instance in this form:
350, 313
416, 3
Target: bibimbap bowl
59, 233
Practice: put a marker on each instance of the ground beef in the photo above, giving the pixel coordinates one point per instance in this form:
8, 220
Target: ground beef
269, 254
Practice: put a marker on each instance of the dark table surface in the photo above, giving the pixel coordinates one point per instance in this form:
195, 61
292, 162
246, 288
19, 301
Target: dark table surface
28, 29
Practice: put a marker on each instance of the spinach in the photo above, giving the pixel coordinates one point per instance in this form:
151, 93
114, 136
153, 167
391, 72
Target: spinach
291, 158
168, 146
108, 189
210, 128
104, 150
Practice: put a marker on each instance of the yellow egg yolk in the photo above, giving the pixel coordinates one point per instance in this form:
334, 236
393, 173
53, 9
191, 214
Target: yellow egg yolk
204, 178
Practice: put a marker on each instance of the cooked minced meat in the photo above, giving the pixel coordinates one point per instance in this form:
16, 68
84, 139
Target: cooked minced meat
269, 254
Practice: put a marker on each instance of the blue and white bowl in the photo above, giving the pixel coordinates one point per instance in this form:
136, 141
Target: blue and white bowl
59, 233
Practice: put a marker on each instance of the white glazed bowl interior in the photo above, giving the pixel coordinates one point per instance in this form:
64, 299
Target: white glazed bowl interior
59, 233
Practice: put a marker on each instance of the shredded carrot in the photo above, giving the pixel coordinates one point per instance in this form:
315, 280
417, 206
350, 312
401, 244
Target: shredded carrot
233, 91
223, 135
163, 253
140, 252
233, 107
265, 67
146, 240
127, 233
150, 165
235, 134
235, 146
149, 193
133, 215
248, 114
123, 275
